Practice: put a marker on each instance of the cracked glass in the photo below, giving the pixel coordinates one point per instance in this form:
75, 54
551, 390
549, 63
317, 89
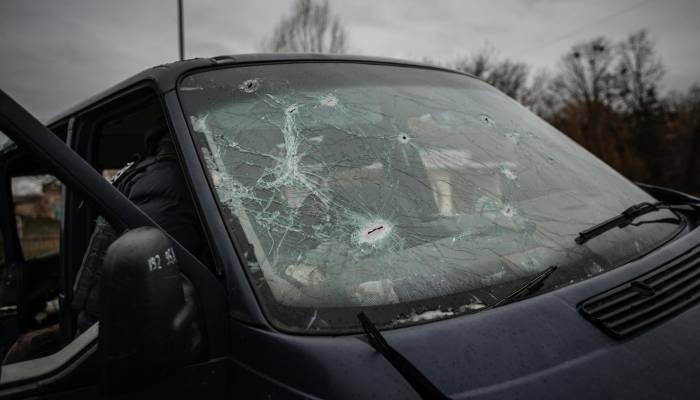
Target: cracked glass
409, 193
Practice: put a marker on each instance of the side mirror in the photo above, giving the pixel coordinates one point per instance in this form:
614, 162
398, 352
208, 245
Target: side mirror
141, 305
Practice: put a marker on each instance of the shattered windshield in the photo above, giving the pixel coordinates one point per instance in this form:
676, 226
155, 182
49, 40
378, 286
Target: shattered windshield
411, 194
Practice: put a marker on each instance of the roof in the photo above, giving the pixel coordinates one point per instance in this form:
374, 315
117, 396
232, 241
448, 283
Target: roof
165, 76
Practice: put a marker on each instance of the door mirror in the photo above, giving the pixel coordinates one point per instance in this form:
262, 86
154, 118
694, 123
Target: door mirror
141, 311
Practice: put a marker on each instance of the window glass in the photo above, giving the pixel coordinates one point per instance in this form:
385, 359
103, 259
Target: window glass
37, 201
410, 193
5, 143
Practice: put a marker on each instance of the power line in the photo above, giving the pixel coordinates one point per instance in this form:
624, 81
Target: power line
588, 25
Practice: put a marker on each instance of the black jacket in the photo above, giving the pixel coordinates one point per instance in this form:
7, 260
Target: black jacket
157, 186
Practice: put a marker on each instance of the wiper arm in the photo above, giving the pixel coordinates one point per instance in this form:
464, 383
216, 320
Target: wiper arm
627, 217
420, 383
531, 286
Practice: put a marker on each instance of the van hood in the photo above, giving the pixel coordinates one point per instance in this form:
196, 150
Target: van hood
536, 348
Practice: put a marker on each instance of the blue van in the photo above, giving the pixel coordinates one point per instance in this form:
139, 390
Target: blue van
376, 229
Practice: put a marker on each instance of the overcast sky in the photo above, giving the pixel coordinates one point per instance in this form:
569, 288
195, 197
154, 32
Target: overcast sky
55, 53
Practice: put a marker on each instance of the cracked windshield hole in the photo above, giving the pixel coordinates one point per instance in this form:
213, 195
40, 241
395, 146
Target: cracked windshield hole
413, 194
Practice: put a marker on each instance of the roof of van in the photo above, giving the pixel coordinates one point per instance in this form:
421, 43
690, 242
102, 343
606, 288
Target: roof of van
165, 76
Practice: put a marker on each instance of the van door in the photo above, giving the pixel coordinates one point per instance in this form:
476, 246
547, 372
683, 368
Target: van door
67, 373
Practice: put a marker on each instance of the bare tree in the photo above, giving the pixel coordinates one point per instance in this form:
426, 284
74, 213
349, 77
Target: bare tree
478, 64
586, 74
309, 29
540, 96
639, 73
508, 76
692, 106
586, 85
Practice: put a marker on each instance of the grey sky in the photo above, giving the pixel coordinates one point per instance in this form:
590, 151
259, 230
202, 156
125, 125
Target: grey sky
56, 53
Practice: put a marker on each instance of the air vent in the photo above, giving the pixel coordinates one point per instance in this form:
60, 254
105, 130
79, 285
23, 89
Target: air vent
649, 299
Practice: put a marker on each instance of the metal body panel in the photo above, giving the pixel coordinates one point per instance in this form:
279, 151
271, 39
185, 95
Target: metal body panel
538, 348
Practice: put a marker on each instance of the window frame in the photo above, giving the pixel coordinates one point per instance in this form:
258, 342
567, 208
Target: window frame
83, 140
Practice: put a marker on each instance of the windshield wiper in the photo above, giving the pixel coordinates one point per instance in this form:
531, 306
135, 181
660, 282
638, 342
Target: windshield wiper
420, 383
531, 286
627, 217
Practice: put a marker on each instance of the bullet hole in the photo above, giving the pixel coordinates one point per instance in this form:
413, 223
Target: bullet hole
487, 119
404, 138
373, 232
250, 85
292, 109
508, 211
329, 100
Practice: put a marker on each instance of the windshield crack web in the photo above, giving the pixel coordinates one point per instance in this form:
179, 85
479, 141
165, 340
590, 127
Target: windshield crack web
356, 196
347, 233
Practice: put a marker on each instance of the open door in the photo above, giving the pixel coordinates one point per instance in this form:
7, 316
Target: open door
70, 372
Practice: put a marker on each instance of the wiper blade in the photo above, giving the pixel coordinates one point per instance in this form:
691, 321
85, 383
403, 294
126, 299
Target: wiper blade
531, 286
627, 217
420, 383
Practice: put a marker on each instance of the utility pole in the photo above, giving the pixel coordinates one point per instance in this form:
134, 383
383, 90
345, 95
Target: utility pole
181, 29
